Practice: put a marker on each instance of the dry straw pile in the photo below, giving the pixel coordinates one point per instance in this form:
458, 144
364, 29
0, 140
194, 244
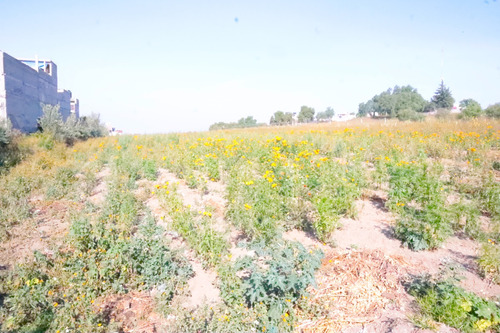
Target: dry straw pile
354, 287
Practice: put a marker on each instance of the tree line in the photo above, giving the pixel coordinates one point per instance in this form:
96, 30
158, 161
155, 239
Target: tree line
404, 103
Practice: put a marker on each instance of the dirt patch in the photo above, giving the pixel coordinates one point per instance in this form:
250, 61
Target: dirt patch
42, 232
202, 287
134, 312
98, 195
373, 230
305, 239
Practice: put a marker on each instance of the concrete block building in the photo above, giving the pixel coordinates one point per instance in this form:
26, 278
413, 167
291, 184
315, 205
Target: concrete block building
26, 84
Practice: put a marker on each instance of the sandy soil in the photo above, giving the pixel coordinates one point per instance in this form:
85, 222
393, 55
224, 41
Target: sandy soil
41, 233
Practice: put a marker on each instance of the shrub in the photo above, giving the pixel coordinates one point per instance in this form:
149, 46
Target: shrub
10, 153
277, 280
489, 260
73, 129
5, 132
416, 195
449, 304
408, 114
493, 111
470, 109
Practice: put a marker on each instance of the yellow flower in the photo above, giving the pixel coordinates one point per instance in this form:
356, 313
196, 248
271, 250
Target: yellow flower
247, 206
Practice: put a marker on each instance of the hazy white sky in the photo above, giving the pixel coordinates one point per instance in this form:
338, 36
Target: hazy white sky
163, 66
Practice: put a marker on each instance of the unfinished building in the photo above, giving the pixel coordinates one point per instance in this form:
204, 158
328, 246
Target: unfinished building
26, 84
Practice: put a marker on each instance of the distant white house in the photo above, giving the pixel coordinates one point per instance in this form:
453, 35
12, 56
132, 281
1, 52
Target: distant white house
343, 116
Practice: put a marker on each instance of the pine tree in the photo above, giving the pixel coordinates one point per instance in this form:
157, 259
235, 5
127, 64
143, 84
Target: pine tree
442, 98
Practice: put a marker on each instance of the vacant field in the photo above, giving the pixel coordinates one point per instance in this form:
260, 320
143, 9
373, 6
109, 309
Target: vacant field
326, 227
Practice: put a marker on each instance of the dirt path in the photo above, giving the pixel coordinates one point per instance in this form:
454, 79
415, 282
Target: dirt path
202, 285
98, 195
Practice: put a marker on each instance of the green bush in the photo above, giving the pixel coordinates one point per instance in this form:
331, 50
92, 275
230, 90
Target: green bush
70, 130
489, 260
408, 114
470, 109
5, 132
10, 153
493, 111
417, 196
277, 280
449, 304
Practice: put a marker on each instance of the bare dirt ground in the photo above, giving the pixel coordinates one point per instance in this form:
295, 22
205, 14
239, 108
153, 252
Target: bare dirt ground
98, 195
134, 312
42, 232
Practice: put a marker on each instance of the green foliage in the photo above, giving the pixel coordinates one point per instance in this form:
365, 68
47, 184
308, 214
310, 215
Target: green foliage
442, 98
447, 303
62, 184
197, 230
393, 101
368, 108
58, 292
306, 114
277, 280
242, 123
83, 128
417, 195
325, 115
281, 118
489, 260
464, 216
10, 153
5, 132
493, 111
53, 126
408, 114
51, 121
470, 108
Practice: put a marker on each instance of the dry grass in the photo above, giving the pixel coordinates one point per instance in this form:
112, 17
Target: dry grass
354, 287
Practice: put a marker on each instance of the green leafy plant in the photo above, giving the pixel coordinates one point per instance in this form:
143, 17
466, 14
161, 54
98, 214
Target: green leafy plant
447, 303
489, 260
278, 281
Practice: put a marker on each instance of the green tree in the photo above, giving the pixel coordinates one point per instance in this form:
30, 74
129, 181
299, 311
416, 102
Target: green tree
470, 108
281, 118
306, 114
493, 111
367, 109
325, 115
393, 101
242, 123
442, 98
247, 122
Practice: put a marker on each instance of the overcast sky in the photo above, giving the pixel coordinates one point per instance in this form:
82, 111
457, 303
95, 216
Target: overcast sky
164, 66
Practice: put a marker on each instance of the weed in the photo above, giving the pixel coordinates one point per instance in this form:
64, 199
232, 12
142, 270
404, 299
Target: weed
489, 260
447, 303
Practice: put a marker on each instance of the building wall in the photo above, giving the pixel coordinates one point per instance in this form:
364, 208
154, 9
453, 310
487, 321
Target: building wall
75, 107
23, 89
64, 101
